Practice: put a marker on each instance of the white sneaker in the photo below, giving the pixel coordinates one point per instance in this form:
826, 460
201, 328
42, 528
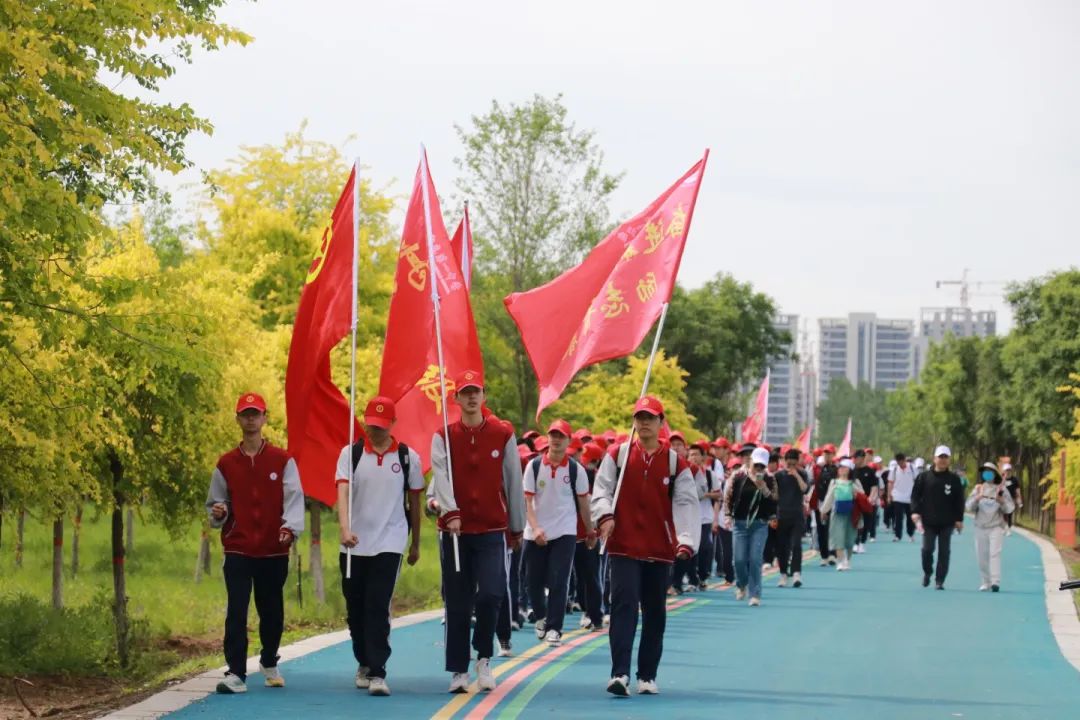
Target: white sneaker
515, 626
586, 623
505, 649
782, 582
553, 638
984, 587
798, 580
740, 593
1008, 531
607, 620
755, 602
272, 676
619, 685
231, 685
647, 687
459, 683
824, 562
378, 687
541, 629
911, 539
363, 682
485, 680
873, 539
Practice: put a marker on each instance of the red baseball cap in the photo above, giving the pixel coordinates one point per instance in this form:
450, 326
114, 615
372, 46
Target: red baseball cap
576, 444
470, 378
530, 434
610, 435
592, 452
721, 442
540, 443
601, 441
560, 426
702, 445
677, 435
250, 401
380, 412
829, 448
583, 434
650, 405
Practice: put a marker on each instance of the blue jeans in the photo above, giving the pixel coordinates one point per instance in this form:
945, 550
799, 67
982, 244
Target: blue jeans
749, 549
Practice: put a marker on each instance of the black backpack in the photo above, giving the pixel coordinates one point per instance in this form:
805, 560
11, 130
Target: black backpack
403, 458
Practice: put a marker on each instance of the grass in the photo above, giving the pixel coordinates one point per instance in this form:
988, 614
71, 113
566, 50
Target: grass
177, 622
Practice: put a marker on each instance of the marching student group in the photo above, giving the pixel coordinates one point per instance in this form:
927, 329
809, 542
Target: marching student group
611, 525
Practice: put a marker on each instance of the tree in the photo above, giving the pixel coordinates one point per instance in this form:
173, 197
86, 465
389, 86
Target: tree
866, 406
538, 192
723, 336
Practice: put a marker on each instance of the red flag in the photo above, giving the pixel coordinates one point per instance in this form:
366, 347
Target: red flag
462, 245
845, 445
603, 308
802, 443
316, 411
753, 428
410, 364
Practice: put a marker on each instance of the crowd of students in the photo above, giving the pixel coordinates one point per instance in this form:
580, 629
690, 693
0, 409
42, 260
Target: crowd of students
607, 524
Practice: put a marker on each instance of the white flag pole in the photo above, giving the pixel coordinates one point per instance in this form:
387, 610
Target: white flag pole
434, 278
352, 354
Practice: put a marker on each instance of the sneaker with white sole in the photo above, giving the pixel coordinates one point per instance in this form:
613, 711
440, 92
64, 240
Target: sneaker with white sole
459, 683
378, 687
553, 638
515, 626
586, 623
363, 682
824, 562
505, 649
485, 679
740, 593
984, 588
607, 620
782, 582
231, 685
798, 580
755, 602
619, 685
541, 629
272, 676
647, 687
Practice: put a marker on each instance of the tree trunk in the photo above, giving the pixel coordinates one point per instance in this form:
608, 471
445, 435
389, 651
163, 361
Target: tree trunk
120, 614
58, 564
315, 562
20, 526
75, 531
129, 546
202, 565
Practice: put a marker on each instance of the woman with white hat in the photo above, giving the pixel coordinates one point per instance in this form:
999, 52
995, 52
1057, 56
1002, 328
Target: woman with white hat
990, 502
749, 505
841, 514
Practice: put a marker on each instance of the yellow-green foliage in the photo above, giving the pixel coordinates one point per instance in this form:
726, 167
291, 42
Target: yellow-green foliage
1070, 446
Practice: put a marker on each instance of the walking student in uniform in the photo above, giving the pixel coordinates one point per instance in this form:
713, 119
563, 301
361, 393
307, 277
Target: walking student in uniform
587, 553
655, 521
482, 502
385, 476
991, 502
556, 493
791, 485
937, 504
901, 482
824, 474
256, 499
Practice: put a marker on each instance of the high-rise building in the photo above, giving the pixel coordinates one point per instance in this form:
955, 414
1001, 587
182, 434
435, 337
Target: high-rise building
865, 349
784, 387
936, 323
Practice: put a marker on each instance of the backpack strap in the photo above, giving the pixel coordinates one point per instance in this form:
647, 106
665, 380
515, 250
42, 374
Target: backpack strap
534, 465
403, 459
673, 472
573, 476
357, 452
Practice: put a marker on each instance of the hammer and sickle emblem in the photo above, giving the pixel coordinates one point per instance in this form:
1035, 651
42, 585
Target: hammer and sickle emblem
320, 255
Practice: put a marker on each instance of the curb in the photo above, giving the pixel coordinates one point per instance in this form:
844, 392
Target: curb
200, 686
1059, 604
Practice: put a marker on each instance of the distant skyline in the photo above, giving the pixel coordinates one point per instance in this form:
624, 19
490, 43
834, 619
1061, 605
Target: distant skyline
860, 150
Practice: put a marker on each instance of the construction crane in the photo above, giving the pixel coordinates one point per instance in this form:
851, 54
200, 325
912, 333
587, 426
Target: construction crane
965, 287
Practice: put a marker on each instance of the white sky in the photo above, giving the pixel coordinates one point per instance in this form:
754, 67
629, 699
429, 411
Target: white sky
861, 150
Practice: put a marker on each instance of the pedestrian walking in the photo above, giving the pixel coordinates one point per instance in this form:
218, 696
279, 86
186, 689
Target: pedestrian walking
990, 502
791, 485
750, 504
841, 512
937, 506
824, 473
901, 482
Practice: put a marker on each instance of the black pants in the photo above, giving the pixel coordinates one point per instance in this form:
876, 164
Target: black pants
869, 527
725, 563
267, 576
823, 536
587, 569
367, 607
704, 557
549, 567
901, 512
887, 515
637, 584
481, 584
942, 534
789, 545
683, 569
509, 609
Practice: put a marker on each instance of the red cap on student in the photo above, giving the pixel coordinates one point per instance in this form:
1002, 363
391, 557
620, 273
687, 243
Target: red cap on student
250, 401
380, 412
830, 448
540, 443
560, 426
702, 445
530, 434
576, 445
721, 442
470, 378
677, 435
583, 434
650, 405
592, 452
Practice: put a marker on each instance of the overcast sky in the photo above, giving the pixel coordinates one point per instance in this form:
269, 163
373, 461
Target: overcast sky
860, 150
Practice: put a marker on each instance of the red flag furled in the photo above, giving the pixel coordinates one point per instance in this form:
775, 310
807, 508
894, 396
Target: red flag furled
316, 411
845, 445
463, 248
410, 363
802, 443
603, 308
753, 428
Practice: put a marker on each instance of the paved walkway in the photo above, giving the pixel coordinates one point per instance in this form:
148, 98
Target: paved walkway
871, 643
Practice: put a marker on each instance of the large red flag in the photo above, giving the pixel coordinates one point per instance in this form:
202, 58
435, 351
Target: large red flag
603, 308
316, 411
462, 244
802, 443
753, 428
845, 445
410, 364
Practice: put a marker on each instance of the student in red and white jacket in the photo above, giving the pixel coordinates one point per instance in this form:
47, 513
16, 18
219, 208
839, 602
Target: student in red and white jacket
481, 505
256, 499
652, 524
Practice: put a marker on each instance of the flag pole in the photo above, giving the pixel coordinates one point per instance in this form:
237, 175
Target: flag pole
352, 327
434, 277
644, 389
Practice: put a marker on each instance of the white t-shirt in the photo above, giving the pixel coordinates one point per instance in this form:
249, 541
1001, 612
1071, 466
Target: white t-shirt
554, 500
903, 480
706, 503
719, 476
378, 489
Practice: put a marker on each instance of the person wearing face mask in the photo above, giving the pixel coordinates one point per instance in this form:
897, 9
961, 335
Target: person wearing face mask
991, 501
749, 505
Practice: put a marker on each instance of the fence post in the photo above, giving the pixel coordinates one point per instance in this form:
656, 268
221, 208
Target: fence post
1065, 513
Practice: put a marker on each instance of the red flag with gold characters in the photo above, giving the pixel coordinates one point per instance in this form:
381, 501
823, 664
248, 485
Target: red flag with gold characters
603, 308
410, 363
316, 411
753, 428
802, 443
